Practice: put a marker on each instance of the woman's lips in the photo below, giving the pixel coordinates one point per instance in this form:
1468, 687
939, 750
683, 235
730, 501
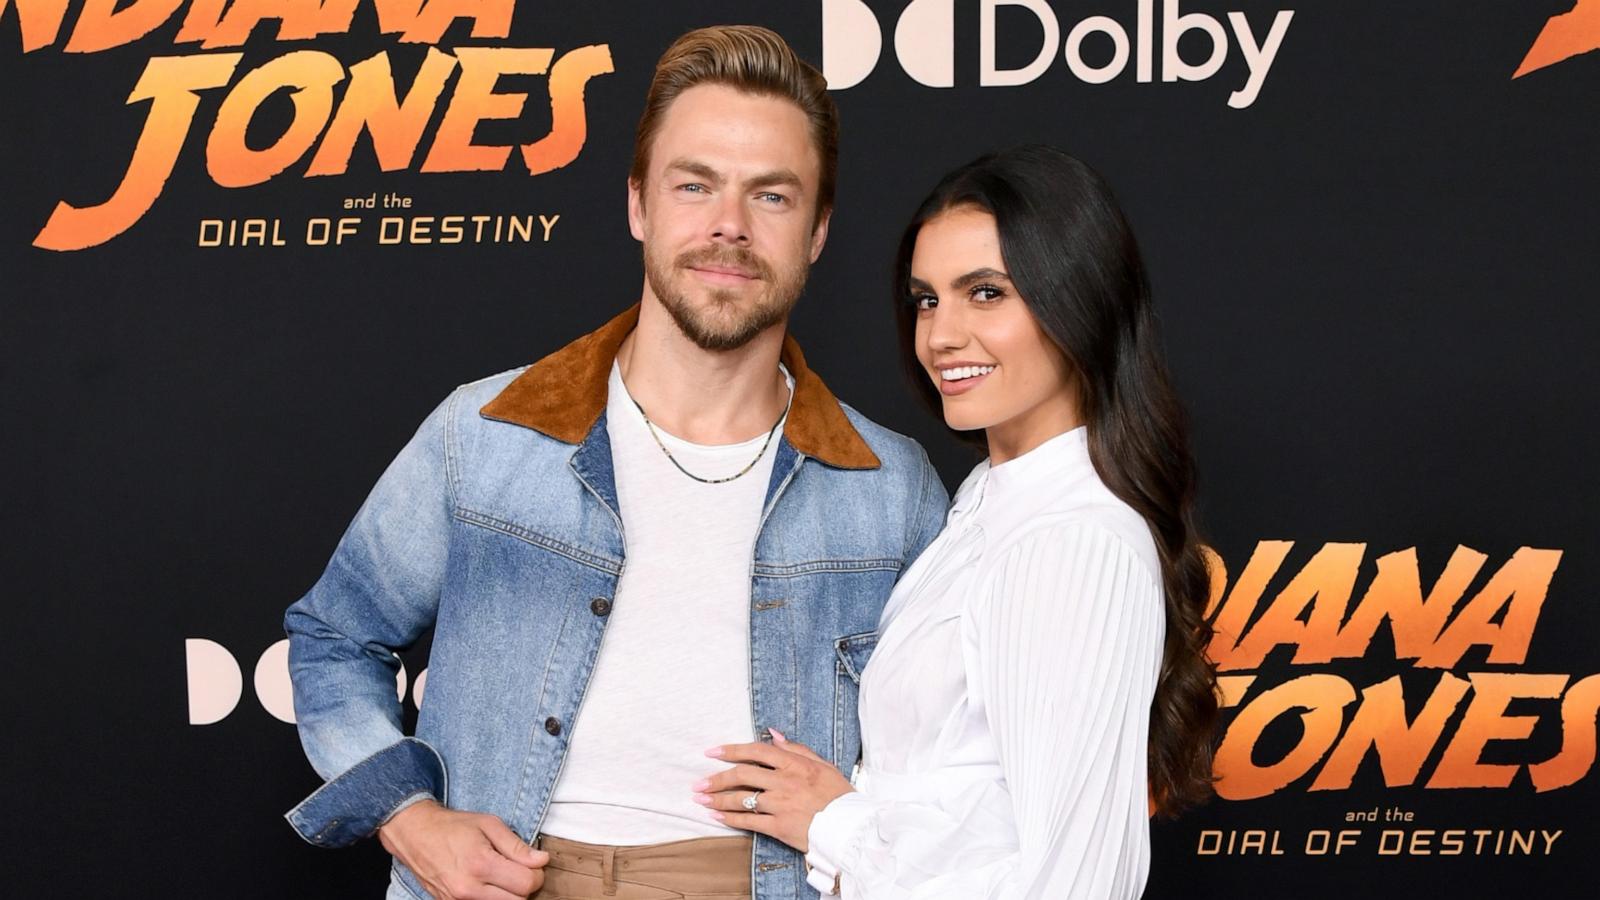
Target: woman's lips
959, 386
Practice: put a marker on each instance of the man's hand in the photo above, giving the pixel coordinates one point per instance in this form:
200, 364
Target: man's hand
463, 856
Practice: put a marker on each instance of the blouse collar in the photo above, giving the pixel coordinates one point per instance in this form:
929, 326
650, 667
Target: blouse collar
1042, 465
1016, 485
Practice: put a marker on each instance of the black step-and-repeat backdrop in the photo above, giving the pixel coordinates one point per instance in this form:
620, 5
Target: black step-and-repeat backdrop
247, 245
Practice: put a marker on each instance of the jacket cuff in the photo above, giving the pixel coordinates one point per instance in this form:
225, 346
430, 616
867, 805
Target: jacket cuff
834, 839
352, 805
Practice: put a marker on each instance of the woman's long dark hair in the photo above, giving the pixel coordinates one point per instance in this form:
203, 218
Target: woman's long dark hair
1070, 253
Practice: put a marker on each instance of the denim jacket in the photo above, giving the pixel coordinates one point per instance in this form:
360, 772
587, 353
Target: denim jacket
498, 527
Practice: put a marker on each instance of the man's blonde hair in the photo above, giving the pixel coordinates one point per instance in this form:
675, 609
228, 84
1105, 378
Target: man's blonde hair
751, 59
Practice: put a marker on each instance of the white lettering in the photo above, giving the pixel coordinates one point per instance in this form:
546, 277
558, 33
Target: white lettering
925, 42
925, 38
851, 42
989, 74
1258, 58
215, 681
1173, 28
1119, 58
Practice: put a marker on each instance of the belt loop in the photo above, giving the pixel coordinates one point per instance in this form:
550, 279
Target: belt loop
608, 870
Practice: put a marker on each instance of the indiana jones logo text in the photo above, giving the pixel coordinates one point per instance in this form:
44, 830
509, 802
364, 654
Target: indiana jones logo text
1478, 718
326, 122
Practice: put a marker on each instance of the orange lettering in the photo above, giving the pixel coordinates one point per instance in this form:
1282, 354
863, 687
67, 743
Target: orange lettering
1325, 584
170, 83
40, 21
1324, 698
1380, 723
1485, 721
216, 24
370, 103
1396, 594
201, 21
1235, 615
1577, 748
101, 25
475, 100
1519, 588
312, 74
298, 18
1563, 37
568, 125
1232, 688
490, 19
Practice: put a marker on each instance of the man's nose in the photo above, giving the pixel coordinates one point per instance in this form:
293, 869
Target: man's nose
731, 223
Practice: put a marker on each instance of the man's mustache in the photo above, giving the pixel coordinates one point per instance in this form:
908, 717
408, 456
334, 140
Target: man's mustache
746, 261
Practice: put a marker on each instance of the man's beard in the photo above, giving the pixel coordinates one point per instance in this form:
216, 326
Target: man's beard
724, 325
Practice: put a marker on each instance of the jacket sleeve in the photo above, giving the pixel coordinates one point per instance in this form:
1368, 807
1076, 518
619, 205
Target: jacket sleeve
1065, 646
379, 592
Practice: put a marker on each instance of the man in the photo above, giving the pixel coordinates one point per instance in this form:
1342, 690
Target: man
665, 536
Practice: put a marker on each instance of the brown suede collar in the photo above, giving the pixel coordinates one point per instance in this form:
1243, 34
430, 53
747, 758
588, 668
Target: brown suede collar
563, 395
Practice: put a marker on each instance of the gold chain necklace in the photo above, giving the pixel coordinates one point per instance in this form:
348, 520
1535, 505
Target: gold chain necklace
679, 466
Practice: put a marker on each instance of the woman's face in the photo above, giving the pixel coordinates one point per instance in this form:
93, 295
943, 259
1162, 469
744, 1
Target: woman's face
993, 366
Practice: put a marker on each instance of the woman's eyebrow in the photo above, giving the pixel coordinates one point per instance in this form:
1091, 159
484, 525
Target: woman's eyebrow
986, 273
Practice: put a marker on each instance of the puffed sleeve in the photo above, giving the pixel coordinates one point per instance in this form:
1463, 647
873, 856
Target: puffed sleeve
1064, 649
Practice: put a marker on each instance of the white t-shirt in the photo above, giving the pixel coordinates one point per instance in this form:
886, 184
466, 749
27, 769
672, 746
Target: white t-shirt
673, 675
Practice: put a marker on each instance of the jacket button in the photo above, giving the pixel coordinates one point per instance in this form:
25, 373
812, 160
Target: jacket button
552, 725
600, 606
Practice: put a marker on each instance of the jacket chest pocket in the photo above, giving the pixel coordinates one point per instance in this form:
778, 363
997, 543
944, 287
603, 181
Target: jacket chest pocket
851, 653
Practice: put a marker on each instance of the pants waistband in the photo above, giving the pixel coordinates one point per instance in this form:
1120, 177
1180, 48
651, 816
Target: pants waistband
712, 865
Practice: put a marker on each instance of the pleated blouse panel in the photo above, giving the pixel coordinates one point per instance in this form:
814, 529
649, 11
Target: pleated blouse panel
913, 694
921, 703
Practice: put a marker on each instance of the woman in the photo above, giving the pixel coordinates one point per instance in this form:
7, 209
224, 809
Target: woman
1040, 682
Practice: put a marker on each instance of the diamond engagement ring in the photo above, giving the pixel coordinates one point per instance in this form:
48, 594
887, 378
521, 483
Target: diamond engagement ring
749, 803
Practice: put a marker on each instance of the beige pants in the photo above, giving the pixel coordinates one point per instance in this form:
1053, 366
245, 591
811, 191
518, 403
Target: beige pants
701, 869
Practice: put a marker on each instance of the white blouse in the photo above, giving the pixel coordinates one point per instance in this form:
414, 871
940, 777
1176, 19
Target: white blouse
1005, 710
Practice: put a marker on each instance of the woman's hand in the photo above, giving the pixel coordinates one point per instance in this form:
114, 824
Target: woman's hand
791, 785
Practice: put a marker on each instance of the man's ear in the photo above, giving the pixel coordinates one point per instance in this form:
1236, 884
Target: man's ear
636, 209
819, 233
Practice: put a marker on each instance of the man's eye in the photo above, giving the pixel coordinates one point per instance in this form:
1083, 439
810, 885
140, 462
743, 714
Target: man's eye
770, 197
692, 188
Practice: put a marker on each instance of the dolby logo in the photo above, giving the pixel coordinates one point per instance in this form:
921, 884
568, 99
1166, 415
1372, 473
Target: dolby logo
216, 682
1127, 39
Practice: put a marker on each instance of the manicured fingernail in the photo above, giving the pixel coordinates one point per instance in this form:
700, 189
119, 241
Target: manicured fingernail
778, 736
703, 799
700, 785
715, 752
718, 816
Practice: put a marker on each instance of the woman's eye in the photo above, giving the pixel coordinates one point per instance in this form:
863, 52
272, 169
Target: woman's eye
987, 293
924, 302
